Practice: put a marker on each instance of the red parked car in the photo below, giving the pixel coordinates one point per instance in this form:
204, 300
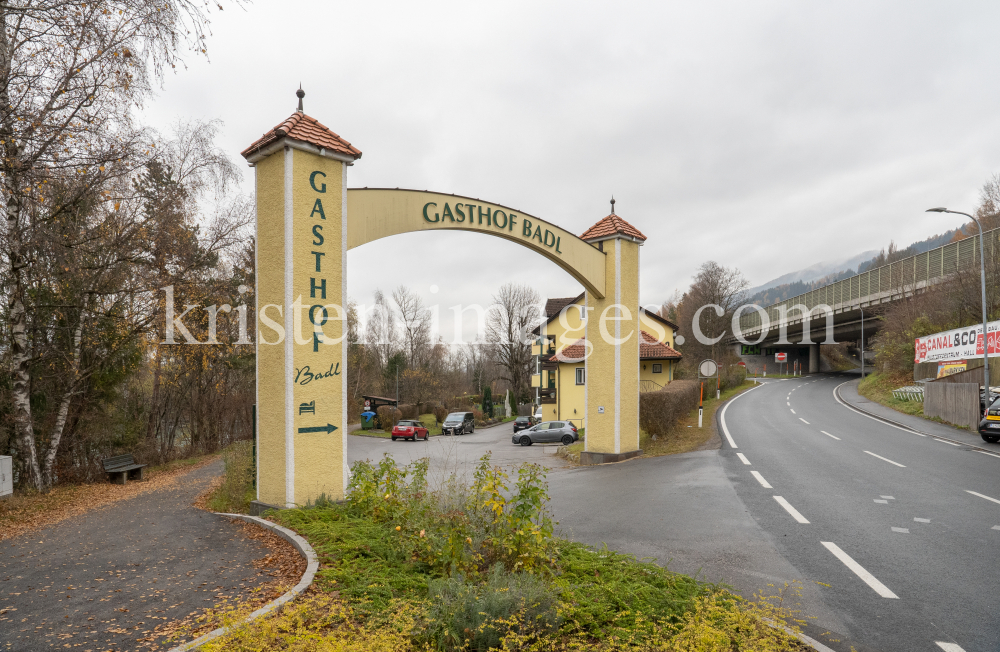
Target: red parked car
409, 429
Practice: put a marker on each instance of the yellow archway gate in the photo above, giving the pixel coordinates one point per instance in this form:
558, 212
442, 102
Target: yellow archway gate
307, 219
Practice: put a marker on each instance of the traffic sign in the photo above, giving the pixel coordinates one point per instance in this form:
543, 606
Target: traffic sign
708, 369
781, 357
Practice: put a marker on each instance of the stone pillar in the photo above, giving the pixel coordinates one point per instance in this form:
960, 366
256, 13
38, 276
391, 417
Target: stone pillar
301, 288
612, 366
813, 358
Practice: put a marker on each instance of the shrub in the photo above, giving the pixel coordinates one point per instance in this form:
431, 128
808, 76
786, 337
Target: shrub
488, 402
440, 413
478, 416
236, 491
477, 617
388, 416
408, 411
659, 411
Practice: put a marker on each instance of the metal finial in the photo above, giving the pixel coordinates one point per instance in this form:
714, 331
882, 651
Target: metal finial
612, 205
300, 94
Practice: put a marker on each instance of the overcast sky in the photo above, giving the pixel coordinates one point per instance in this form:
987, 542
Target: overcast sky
764, 135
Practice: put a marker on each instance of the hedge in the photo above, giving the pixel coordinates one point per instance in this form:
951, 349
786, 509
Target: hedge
659, 411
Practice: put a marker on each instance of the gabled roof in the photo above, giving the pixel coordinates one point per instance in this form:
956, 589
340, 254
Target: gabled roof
611, 226
652, 349
306, 129
662, 320
649, 349
553, 306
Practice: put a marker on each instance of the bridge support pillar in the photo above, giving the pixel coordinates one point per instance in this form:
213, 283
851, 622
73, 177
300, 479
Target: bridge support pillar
814, 358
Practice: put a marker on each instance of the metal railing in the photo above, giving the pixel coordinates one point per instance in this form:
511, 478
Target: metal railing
887, 282
649, 386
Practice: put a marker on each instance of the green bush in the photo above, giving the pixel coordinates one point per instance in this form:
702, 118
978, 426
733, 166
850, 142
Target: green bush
470, 617
488, 402
233, 496
659, 411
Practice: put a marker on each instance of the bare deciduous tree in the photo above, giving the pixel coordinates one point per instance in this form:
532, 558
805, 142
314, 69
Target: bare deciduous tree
515, 311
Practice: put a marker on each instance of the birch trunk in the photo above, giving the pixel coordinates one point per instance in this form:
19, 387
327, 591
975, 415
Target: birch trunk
60, 425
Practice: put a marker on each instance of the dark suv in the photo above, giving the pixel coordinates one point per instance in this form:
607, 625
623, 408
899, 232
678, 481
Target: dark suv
989, 428
458, 423
523, 423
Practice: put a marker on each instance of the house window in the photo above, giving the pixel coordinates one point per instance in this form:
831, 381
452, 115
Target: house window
580, 375
657, 368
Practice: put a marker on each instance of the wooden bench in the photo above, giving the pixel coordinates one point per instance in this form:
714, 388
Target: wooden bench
122, 468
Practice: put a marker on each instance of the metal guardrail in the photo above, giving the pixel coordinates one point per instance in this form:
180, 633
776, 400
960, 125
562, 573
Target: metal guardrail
909, 393
885, 283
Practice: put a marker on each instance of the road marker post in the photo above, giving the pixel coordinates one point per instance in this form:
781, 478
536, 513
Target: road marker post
701, 402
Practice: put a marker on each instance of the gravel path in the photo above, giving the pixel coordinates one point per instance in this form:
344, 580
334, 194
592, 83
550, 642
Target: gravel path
107, 580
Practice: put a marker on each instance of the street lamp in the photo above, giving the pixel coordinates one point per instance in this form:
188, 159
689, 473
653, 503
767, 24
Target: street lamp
862, 341
982, 277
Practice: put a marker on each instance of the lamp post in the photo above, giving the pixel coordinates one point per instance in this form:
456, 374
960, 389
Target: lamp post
982, 277
862, 341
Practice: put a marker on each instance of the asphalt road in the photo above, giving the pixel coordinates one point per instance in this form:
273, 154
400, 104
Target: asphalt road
107, 579
902, 528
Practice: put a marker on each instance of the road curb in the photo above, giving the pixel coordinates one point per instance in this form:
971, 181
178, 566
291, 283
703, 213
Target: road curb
903, 426
312, 566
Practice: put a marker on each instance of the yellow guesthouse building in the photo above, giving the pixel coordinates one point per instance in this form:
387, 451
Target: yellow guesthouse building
560, 379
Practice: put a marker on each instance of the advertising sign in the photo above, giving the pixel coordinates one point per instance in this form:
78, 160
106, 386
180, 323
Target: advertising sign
949, 368
957, 344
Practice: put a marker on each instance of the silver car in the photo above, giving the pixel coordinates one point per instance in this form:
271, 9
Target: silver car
562, 432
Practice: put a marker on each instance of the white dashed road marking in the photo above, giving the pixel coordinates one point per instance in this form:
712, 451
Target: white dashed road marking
922, 520
995, 527
885, 459
791, 510
793, 411
829, 435
887, 497
744, 458
881, 502
761, 480
901, 530
982, 496
803, 421
948, 647
859, 570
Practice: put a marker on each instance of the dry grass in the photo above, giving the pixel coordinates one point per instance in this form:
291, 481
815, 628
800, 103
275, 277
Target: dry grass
686, 436
878, 387
25, 512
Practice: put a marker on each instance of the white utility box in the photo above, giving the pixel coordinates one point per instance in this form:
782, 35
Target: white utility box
6, 475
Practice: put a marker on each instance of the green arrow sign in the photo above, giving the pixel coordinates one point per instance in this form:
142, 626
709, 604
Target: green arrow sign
328, 428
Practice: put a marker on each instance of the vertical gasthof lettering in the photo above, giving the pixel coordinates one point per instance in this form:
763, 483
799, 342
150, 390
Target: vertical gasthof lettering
317, 284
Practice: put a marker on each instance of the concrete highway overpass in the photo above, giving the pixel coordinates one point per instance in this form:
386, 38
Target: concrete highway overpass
844, 302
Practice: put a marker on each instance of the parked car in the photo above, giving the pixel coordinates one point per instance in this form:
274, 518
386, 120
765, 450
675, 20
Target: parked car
409, 429
563, 432
989, 428
523, 423
458, 423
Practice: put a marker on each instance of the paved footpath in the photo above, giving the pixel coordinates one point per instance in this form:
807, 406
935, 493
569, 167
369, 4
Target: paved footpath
106, 580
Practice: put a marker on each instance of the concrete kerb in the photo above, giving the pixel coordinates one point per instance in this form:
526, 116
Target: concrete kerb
902, 426
312, 565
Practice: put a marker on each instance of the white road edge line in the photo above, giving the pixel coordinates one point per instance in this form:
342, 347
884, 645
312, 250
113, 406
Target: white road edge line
950, 443
948, 647
722, 415
761, 480
803, 421
744, 458
868, 416
791, 510
829, 435
982, 496
885, 459
859, 570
